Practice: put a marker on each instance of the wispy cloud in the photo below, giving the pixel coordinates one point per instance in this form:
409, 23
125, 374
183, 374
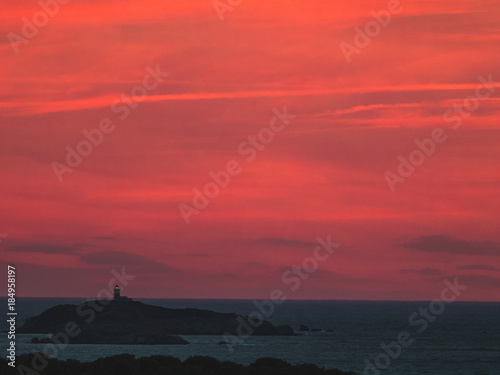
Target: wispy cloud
478, 267
17, 108
422, 271
479, 281
121, 258
46, 249
445, 244
274, 241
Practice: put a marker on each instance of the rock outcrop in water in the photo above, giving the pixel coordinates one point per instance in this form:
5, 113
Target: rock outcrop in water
133, 322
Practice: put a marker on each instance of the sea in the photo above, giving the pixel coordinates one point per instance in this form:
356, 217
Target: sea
461, 338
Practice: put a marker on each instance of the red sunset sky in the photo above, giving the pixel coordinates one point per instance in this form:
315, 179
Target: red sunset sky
322, 175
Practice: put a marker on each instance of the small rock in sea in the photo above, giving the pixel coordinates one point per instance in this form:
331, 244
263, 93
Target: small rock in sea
36, 340
303, 328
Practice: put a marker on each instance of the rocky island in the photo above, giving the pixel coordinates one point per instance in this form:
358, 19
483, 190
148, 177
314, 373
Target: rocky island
131, 322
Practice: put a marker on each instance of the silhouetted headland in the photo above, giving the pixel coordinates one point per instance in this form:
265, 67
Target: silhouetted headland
132, 322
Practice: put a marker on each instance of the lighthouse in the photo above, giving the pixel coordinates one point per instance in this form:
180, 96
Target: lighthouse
116, 293
117, 296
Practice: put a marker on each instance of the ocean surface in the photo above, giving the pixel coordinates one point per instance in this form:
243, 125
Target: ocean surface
463, 339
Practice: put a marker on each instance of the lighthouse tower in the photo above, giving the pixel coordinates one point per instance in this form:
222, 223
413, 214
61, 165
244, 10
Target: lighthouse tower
117, 296
116, 293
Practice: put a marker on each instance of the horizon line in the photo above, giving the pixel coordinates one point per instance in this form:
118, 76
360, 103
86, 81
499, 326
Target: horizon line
256, 299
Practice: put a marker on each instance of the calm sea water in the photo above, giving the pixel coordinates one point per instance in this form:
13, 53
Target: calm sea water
463, 339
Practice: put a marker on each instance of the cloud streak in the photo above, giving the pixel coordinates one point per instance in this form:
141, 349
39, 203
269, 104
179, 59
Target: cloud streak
18, 108
445, 244
45, 249
422, 271
478, 267
121, 258
285, 242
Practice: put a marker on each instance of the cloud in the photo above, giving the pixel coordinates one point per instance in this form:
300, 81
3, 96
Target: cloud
274, 241
318, 273
83, 245
257, 265
197, 255
112, 258
16, 107
478, 267
423, 271
45, 249
115, 258
445, 244
479, 281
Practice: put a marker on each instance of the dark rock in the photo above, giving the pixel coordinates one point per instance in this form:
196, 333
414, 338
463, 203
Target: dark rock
127, 364
283, 330
133, 322
303, 328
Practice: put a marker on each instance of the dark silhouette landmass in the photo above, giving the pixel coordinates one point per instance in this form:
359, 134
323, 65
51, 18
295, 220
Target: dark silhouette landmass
127, 364
133, 322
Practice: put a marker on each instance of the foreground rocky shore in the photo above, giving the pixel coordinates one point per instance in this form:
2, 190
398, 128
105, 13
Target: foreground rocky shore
127, 364
132, 322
